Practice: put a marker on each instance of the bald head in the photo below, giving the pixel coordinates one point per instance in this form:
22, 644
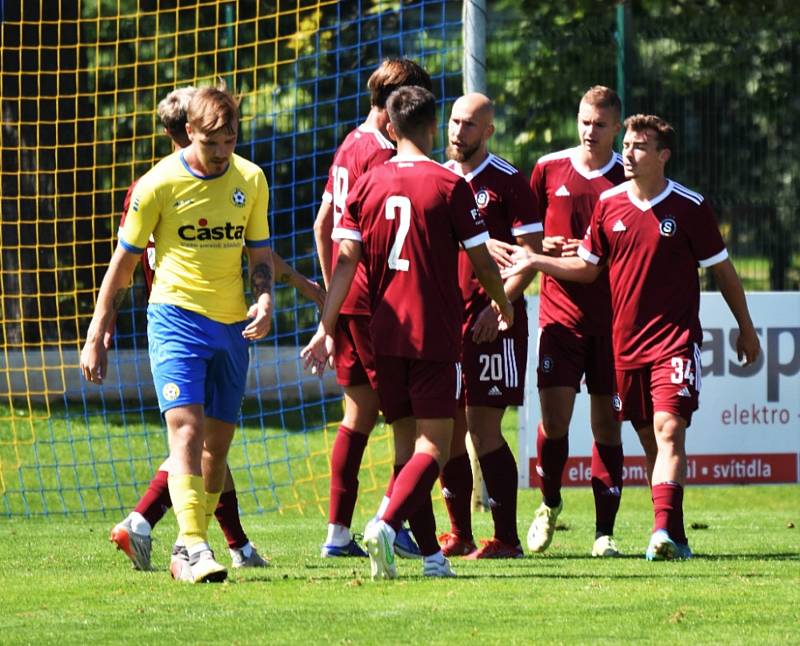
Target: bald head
471, 125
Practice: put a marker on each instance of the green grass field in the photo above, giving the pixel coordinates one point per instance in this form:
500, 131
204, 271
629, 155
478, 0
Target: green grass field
62, 582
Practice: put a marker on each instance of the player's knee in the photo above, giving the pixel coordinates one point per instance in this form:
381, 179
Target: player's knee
607, 432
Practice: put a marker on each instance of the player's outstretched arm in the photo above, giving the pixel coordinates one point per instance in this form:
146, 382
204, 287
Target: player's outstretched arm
574, 269
489, 277
261, 271
114, 288
287, 274
319, 351
486, 326
747, 345
323, 228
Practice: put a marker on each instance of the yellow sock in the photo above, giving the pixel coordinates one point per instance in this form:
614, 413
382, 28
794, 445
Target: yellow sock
211, 505
189, 502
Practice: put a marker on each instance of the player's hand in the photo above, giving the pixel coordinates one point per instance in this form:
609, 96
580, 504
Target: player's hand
551, 245
313, 291
319, 352
500, 252
570, 247
486, 326
521, 261
748, 346
504, 313
261, 313
94, 361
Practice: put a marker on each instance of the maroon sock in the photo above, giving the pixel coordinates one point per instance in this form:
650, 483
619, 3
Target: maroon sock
227, 515
550, 465
500, 474
606, 485
396, 468
668, 508
456, 481
411, 487
155, 501
348, 449
423, 524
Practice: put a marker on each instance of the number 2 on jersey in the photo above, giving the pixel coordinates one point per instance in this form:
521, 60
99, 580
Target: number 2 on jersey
401, 204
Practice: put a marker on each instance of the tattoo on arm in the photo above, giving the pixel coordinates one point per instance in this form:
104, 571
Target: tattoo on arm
261, 280
119, 297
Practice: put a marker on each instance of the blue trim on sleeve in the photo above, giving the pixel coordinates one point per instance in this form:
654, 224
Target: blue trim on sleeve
129, 247
256, 243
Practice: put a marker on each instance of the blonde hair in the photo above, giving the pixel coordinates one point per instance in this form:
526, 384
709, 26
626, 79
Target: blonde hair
601, 96
214, 108
172, 111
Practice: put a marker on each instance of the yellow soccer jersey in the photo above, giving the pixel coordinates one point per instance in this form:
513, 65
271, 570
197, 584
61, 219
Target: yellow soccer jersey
199, 225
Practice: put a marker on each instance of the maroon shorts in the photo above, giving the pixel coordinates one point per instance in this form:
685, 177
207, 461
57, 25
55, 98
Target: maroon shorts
417, 388
566, 355
494, 372
670, 385
353, 355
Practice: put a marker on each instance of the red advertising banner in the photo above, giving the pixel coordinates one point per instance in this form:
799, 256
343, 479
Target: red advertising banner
739, 468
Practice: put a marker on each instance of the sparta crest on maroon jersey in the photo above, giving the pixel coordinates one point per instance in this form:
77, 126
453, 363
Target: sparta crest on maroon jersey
653, 249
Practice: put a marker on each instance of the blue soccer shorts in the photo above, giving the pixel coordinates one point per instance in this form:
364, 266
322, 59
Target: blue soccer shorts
195, 360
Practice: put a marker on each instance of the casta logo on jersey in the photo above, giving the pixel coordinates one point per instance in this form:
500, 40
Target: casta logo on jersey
238, 197
482, 198
668, 227
202, 231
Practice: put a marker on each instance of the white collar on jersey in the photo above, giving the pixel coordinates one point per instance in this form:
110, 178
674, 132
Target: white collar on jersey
386, 142
410, 158
456, 168
592, 174
645, 205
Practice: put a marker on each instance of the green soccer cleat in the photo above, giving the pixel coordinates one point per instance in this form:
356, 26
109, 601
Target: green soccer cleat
379, 540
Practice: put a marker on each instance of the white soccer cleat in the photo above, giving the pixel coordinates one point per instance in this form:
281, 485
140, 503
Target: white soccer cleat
238, 559
605, 547
379, 540
205, 568
137, 547
437, 568
179, 567
540, 533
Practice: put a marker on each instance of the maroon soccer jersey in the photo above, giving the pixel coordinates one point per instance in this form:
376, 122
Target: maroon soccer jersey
410, 215
652, 250
565, 197
361, 149
506, 204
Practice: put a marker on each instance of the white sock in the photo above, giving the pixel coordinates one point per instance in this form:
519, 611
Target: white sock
435, 558
382, 508
246, 550
196, 549
338, 535
139, 524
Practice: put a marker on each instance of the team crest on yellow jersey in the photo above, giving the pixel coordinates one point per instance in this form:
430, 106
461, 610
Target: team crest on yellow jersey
238, 197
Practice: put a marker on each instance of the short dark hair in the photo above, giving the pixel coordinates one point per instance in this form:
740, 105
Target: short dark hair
601, 96
411, 109
665, 133
392, 74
